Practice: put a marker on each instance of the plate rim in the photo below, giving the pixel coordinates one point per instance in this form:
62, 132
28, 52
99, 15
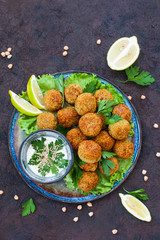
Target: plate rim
122, 181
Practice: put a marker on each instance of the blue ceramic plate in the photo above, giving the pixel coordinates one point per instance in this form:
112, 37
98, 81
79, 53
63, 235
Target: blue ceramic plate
59, 191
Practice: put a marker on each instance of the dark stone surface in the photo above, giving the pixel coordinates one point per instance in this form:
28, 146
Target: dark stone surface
37, 31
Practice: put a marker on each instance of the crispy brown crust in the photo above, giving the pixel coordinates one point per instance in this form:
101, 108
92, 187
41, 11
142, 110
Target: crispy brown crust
116, 166
68, 117
104, 140
90, 124
89, 151
89, 167
123, 111
120, 130
85, 103
124, 149
47, 120
101, 94
53, 100
88, 181
71, 92
75, 137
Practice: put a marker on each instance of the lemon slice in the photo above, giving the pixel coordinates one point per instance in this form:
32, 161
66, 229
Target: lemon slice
34, 93
135, 207
123, 53
23, 106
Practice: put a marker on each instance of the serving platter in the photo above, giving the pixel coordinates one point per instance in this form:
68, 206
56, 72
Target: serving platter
59, 191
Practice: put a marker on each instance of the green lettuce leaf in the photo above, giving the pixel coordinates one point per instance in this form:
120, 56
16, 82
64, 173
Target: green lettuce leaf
27, 124
46, 82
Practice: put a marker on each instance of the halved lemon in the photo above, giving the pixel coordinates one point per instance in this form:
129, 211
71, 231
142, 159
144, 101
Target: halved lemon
34, 93
23, 106
123, 53
135, 207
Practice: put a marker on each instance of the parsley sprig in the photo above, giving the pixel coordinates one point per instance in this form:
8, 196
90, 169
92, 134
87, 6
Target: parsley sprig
113, 119
28, 207
142, 78
105, 107
106, 163
138, 194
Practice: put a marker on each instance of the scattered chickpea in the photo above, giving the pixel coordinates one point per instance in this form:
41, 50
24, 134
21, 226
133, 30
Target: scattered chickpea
144, 172
75, 219
143, 97
130, 97
114, 231
64, 53
155, 125
89, 204
9, 56
10, 66
3, 54
1, 192
16, 197
145, 178
79, 207
66, 48
91, 214
64, 209
7, 53
98, 41
158, 154
9, 49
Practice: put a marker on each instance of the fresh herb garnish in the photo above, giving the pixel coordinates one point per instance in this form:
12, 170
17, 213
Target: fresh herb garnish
105, 107
142, 78
92, 86
138, 194
106, 163
132, 129
106, 154
113, 119
47, 157
28, 207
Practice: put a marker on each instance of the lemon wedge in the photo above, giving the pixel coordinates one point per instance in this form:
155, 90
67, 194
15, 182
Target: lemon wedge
23, 106
135, 207
34, 93
123, 53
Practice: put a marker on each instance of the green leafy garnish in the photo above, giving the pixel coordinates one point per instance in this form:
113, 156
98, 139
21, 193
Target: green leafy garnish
91, 87
113, 119
105, 107
47, 157
27, 123
118, 98
106, 154
138, 194
106, 165
24, 95
142, 78
132, 128
28, 207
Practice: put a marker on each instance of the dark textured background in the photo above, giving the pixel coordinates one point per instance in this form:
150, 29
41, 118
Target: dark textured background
37, 31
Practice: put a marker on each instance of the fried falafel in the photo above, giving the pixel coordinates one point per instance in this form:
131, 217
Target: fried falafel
75, 137
72, 91
119, 130
123, 111
68, 117
90, 124
101, 94
47, 120
124, 149
85, 103
88, 181
89, 151
53, 100
89, 167
104, 140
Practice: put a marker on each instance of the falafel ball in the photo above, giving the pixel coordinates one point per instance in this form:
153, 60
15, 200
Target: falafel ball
88, 181
85, 103
75, 137
116, 166
104, 140
89, 167
123, 111
89, 151
47, 120
119, 130
124, 149
72, 91
90, 124
53, 100
101, 94
68, 117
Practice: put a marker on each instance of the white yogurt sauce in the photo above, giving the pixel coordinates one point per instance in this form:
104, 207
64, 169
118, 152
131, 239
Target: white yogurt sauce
31, 151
